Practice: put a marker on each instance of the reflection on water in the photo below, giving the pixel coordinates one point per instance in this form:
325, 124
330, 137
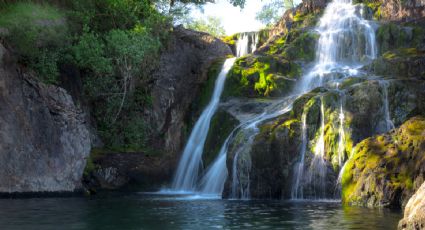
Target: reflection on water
150, 211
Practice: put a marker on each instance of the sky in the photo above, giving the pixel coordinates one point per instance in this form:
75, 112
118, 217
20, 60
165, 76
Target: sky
235, 19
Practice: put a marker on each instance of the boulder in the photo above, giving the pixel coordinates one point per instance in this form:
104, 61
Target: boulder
414, 212
385, 170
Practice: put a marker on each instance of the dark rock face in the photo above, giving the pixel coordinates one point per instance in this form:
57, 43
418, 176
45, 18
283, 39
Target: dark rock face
182, 72
183, 68
44, 137
414, 213
408, 10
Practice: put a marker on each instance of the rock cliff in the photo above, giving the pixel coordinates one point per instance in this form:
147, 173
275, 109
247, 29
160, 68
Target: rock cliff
44, 137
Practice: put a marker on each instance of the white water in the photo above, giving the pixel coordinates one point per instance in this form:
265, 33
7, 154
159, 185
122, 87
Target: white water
319, 149
241, 165
388, 123
247, 43
190, 164
341, 133
297, 187
188, 171
346, 43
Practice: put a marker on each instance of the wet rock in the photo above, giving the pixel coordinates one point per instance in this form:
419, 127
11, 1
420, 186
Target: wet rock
414, 212
181, 73
408, 10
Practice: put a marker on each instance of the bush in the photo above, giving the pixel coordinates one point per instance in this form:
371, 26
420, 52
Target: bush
39, 34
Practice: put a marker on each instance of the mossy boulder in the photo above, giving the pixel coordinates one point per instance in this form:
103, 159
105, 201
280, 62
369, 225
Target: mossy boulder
297, 45
385, 170
261, 76
400, 63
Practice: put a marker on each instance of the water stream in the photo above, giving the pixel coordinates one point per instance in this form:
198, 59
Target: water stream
188, 171
346, 43
247, 43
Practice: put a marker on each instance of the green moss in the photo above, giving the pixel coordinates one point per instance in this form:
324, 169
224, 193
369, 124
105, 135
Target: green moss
402, 53
394, 157
391, 36
260, 76
90, 165
231, 40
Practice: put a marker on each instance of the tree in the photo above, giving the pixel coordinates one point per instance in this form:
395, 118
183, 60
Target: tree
272, 11
212, 26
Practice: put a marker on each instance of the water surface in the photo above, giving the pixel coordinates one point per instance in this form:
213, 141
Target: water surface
150, 211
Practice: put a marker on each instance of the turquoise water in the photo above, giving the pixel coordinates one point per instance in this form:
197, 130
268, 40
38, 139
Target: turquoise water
143, 211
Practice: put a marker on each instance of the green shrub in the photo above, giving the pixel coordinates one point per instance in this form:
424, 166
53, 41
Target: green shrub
39, 34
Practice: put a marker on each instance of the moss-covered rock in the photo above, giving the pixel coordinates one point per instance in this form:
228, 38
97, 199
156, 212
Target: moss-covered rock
391, 36
260, 76
386, 169
277, 146
400, 63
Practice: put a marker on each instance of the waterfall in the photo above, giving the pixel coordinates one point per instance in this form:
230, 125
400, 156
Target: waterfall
247, 43
297, 186
346, 43
341, 133
388, 123
319, 149
187, 174
318, 167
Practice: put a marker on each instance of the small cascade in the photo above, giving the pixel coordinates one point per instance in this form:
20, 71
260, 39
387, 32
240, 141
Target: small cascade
388, 123
297, 185
319, 149
341, 133
212, 181
247, 43
190, 164
242, 165
318, 167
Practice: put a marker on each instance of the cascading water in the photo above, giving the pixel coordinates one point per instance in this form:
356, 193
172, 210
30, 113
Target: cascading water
247, 43
388, 123
318, 167
241, 165
341, 132
188, 171
319, 149
297, 186
187, 174
346, 43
